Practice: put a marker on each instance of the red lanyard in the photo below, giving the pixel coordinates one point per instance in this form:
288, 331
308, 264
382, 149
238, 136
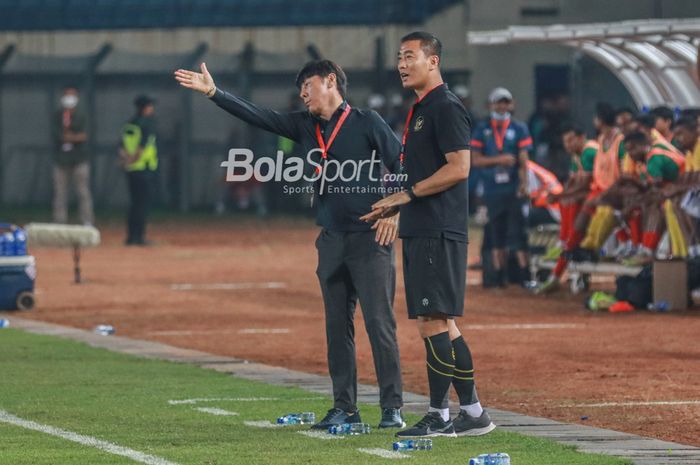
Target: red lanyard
499, 134
66, 119
319, 137
402, 157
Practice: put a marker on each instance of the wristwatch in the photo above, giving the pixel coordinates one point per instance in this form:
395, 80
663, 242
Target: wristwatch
412, 195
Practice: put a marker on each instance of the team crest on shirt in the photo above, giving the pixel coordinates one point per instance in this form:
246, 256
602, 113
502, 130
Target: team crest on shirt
419, 124
510, 134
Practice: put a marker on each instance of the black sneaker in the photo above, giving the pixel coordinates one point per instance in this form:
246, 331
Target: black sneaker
467, 425
431, 425
391, 418
336, 416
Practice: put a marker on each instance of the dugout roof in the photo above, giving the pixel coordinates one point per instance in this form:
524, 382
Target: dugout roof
656, 60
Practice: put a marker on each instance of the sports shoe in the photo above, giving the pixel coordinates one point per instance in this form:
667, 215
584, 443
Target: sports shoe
552, 253
600, 301
429, 426
467, 425
552, 284
391, 418
336, 416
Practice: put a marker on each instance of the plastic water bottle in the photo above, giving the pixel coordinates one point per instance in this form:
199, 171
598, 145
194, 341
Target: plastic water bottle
350, 428
660, 306
20, 242
297, 418
4, 323
499, 458
413, 444
8, 244
104, 330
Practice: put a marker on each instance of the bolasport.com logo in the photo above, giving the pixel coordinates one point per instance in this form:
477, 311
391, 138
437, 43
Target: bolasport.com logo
330, 175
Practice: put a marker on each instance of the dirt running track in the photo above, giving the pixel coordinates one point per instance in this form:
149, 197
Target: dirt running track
539, 356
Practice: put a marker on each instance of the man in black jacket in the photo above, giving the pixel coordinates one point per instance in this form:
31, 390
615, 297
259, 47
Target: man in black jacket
355, 260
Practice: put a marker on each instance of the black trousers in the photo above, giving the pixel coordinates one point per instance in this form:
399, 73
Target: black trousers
140, 185
352, 266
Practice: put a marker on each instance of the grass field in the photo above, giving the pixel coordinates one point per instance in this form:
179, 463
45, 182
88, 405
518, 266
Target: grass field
128, 402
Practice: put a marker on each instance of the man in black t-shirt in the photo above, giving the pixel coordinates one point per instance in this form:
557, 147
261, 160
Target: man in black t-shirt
436, 157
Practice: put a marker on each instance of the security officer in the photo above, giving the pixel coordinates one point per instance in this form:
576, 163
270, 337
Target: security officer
139, 156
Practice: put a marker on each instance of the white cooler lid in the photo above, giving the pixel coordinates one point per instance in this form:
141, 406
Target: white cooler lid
22, 260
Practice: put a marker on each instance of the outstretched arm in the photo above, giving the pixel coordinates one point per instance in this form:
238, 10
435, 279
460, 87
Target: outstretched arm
284, 124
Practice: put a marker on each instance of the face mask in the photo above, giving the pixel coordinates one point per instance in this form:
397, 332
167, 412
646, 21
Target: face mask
69, 101
500, 116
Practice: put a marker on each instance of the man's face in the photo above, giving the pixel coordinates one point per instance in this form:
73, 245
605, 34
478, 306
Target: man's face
573, 143
413, 64
686, 137
315, 92
622, 120
663, 125
636, 150
148, 110
502, 106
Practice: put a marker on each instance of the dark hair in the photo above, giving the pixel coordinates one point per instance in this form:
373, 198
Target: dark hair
662, 112
637, 137
647, 120
430, 44
605, 113
622, 110
323, 68
688, 122
572, 127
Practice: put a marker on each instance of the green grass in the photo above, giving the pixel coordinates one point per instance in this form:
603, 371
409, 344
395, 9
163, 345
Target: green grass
124, 400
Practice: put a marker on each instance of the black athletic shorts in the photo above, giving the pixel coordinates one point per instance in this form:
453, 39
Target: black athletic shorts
508, 217
434, 273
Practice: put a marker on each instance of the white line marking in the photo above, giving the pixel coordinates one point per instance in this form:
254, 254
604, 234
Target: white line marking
387, 454
221, 399
216, 411
319, 435
265, 331
527, 326
85, 440
226, 286
634, 404
262, 424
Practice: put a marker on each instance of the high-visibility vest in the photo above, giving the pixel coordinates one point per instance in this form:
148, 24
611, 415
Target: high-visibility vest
131, 141
549, 184
676, 157
606, 167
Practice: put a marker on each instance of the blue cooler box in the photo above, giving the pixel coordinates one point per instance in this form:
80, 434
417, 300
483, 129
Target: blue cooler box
17, 276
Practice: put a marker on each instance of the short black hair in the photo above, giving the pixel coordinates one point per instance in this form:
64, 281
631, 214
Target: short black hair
662, 112
605, 113
430, 44
323, 68
687, 122
622, 110
574, 127
637, 137
647, 120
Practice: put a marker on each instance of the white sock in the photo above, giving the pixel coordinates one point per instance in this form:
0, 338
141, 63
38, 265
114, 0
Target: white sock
444, 412
473, 410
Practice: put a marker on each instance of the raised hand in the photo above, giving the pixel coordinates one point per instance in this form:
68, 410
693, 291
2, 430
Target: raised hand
201, 82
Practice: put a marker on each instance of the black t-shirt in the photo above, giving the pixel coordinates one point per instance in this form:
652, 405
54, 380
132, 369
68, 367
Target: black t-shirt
343, 202
440, 124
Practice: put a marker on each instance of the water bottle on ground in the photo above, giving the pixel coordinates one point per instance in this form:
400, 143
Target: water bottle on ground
660, 306
499, 458
303, 418
413, 444
350, 428
8, 244
4, 323
104, 330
